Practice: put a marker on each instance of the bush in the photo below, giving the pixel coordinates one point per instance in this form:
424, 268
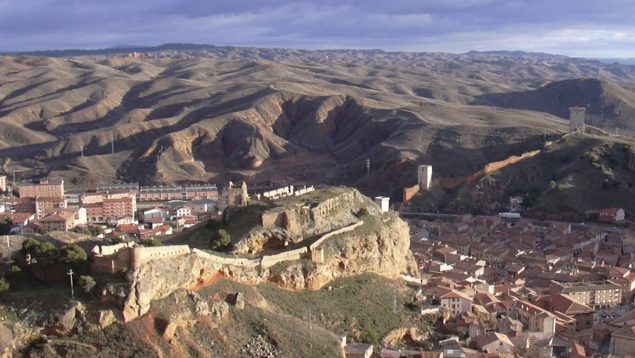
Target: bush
73, 254
552, 185
362, 212
4, 285
369, 337
150, 242
220, 240
86, 283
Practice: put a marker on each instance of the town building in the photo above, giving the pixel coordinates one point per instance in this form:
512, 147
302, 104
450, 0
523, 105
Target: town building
48, 205
46, 188
593, 294
178, 192
622, 342
456, 302
162, 213
119, 188
612, 215
383, 202
62, 220
110, 207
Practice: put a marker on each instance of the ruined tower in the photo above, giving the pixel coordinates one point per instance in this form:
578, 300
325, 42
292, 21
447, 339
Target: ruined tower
424, 176
576, 119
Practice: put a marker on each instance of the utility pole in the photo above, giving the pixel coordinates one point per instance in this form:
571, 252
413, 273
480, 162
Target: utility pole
394, 300
308, 320
8, 243
70, 275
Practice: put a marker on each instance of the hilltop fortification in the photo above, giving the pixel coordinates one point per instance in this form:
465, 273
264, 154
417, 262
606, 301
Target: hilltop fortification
335, 238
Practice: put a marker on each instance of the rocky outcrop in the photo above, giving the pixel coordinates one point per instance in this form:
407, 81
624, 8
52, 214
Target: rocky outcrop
296, 218
379, 243
14, 336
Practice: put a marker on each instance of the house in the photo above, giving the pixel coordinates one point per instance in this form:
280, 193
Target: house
182, 211
611, 215
58, 221
583, 314
358, 350
623, 341
19, 220
155, 222
456, 302
627, 319
593, 294
155, 212
201, 206
493, 342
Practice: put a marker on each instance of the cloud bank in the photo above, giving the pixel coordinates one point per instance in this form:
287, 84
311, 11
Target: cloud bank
587, 28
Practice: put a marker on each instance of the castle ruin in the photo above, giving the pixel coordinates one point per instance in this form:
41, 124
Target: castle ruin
577, 117
424, 176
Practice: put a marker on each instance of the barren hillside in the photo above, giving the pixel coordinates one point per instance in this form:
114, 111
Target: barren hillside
217, 113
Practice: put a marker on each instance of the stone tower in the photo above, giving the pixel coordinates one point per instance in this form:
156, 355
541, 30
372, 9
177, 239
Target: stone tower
424, 176
576, 119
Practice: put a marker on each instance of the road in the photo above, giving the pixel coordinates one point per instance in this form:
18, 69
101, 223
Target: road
608, 227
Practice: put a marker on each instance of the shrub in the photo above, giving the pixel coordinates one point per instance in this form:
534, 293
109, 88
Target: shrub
369, 337
150, 242
87, 283
362, 212
73, 254
4, 285
220, 240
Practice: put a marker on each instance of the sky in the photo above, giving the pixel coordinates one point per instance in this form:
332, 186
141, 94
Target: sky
581, 28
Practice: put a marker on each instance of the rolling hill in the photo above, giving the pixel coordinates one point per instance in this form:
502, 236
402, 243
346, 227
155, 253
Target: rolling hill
205, 113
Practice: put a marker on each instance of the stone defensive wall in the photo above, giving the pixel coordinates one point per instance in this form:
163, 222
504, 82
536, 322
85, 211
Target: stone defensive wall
141, 255
270, 260
229, 261
451, 183
133, 257
319, 242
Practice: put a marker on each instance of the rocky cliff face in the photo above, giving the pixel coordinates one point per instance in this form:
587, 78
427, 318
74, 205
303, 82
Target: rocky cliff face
379, 245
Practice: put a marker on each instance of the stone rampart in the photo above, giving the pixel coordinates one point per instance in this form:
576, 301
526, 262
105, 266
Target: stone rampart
351, 227
270, 260
230, 261
141, 255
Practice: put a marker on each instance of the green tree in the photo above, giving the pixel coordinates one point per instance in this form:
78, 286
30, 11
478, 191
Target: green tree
4, 285
47, 253
29, 246
72, 254
220, 240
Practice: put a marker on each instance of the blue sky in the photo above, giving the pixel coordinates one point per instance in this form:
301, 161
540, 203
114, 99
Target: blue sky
586, 28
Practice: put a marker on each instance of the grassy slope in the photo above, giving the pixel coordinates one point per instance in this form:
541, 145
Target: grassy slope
357, 306
590, 172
